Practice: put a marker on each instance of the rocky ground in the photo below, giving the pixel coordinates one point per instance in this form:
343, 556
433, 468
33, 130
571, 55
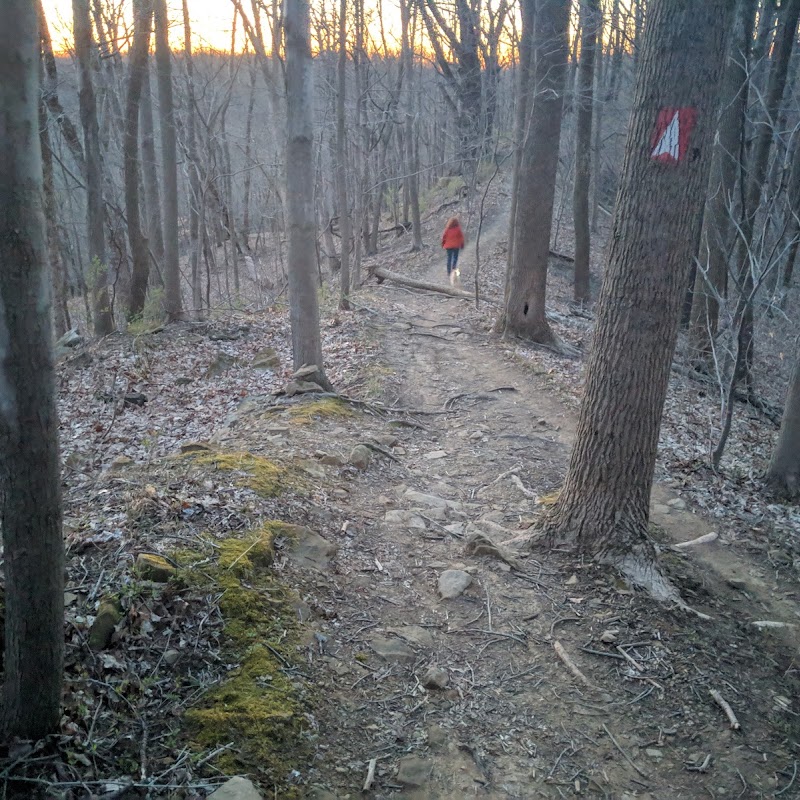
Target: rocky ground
333, 598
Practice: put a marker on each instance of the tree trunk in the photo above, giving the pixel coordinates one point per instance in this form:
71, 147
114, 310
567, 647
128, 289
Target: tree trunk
590, 20
525, 307
715, 242
30, 484
195, 243
169, 161
604, 505
95, 206
152, 195
140, 269
303, 300
783, 475
248, 146
341, 162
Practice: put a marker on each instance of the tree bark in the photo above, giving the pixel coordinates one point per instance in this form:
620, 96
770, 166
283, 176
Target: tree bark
169, 161
715, 243
525, 307
30, 484
783, 475
604, 505
303, 300
140, 268
152, 195
341, 162
95, 206
590, 21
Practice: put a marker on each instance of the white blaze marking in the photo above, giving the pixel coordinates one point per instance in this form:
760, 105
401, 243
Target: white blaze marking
669, 143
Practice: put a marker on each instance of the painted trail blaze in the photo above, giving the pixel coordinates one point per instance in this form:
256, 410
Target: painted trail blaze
670, 140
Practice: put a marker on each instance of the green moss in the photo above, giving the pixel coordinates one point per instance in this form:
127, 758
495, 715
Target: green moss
329, 407
258, 707
262, 475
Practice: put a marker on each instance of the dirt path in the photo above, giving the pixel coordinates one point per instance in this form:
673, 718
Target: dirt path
510, 720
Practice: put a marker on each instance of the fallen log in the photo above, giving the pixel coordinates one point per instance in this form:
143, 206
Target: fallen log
442, 288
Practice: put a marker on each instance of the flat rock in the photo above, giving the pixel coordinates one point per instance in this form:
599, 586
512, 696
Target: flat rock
677, 503
453, 582
237, 789
392, 649
70, 339
435, 677
266, 359
309, 549
660, 508
386, 439
220, 365
404, 519
195, 447
154, 568
414, 771
415, 634
429, 500
435, 454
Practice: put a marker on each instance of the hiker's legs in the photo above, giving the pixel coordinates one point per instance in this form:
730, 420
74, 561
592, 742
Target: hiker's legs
452, 258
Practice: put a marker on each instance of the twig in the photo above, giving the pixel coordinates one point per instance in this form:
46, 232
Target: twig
700, 767
790, 784
624, 754
521, 486
570, 664
704, 539
630, 659
376, 448
725, 706
370, 774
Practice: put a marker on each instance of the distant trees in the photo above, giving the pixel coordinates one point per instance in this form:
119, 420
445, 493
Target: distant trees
30, 507
604, 505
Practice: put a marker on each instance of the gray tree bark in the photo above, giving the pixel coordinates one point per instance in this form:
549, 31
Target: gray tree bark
783, 475
95, 207
303, 300
29, 478
590, 21
525, 301
603, 508
169, 161
341, 161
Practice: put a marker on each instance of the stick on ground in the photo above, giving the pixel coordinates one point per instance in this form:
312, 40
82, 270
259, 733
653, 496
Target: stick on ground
725, 706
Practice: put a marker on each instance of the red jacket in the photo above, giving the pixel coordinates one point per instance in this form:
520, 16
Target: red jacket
453, 238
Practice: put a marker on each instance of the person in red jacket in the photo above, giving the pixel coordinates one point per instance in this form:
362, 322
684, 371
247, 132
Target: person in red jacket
453, 242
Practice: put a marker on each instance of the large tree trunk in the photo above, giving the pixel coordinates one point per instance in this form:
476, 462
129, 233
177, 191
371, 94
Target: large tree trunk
303, 300
783, 475
715, 242
169, 160
525, 306
140, 270
29, 482
152, 195
341, 161
604, 505
95, 206
590, 21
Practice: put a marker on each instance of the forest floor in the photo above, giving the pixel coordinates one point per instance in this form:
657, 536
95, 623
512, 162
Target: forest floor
319, 657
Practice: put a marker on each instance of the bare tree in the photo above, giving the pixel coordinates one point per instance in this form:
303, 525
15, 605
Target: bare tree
525, 303
169, 158
140, 272
604, 505
82, 31
341, 161
304, 303
31, 493
590, 21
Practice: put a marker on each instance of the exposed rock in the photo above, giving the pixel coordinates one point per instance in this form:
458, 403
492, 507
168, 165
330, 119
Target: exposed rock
453, 582
267, 358
437, 737
154, 568
220, 365
309, 549
609, 636
677, 503
236, 789
314, 469
572, 580
171, 657
120, 462
655, 753
360, 456
422, 499
386, 439
415, 634
392, 649
301, 387
435, 677
414, 771
109, 615
661, 509
306, 371
183, 380
70, 339
436, 454
404, 519
330, 459
134, 399
196, 447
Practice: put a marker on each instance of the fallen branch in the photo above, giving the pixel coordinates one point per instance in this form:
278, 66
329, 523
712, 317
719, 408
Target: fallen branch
704, 539
521, 486
624, 754
630, 659
401, 280
570, 664
370, 774
487, 395
726, 707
